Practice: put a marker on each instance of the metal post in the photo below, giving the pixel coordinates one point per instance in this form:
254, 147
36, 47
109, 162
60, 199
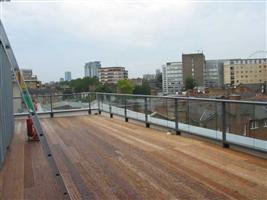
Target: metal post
98, 103
187, 113
110, 108
125, 109
146, 114
224, 142
176, 117
51, 105
89, 106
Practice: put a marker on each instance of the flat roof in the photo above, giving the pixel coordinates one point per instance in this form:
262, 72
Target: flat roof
103, 158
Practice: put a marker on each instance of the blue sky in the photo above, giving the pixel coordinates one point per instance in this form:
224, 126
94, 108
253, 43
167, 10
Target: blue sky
52, 37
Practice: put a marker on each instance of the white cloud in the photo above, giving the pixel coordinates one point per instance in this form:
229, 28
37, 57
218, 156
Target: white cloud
134, 23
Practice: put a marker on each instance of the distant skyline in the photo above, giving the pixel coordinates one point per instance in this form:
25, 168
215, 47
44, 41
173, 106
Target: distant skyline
52, 37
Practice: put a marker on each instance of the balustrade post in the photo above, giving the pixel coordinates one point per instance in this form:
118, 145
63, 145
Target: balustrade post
89, 104
176, 117
224, 141
98, 103
110, 108
51, 106
146, 114
125, 109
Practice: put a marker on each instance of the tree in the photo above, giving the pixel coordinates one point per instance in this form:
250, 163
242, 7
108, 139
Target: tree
83, 85
125, 87
104, 88
189, 83
143, 89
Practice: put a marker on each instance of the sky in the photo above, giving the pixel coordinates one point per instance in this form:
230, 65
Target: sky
54, 36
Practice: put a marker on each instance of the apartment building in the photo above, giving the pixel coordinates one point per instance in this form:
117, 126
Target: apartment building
245, 71
31, 80
91, 69
172, 77
193, 66
112, 74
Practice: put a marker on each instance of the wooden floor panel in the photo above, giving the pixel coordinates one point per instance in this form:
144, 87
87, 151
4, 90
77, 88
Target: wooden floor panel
103, 158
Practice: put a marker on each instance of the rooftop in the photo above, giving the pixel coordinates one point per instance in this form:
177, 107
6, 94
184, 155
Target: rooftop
103, 158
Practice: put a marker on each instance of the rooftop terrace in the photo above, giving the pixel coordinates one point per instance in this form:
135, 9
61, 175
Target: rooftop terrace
103, 158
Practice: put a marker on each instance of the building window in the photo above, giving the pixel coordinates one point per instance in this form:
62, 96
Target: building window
254, 125
265, 123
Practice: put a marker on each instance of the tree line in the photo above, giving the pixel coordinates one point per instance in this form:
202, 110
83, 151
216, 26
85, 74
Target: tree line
88, 84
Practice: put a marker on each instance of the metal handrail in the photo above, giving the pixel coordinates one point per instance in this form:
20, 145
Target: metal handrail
162, 97
145, 98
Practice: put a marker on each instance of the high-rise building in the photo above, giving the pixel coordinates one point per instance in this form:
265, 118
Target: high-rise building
67, 76
245, 71
91, 69
112, 74
158, 72
213, 73
172, 77
149, 76
193, 66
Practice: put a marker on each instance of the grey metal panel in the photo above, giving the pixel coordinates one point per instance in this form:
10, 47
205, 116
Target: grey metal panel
6, 103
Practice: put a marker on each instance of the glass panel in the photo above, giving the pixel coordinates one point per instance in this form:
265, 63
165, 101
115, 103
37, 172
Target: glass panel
93, 101
41, 103
203, 118
136, 108
69, 102
243, 123
19, 106
105, 102
117, 104
170, 112
183, 115
157, 110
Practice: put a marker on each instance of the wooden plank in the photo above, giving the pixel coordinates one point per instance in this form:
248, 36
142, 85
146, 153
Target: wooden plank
103, 158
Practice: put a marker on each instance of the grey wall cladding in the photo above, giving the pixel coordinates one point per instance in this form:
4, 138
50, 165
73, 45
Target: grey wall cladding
6, 104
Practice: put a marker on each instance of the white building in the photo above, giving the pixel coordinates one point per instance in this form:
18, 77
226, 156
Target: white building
67, 76
91, 69
172, 77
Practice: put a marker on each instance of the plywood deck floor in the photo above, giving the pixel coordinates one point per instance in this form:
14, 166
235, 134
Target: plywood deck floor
103, 158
